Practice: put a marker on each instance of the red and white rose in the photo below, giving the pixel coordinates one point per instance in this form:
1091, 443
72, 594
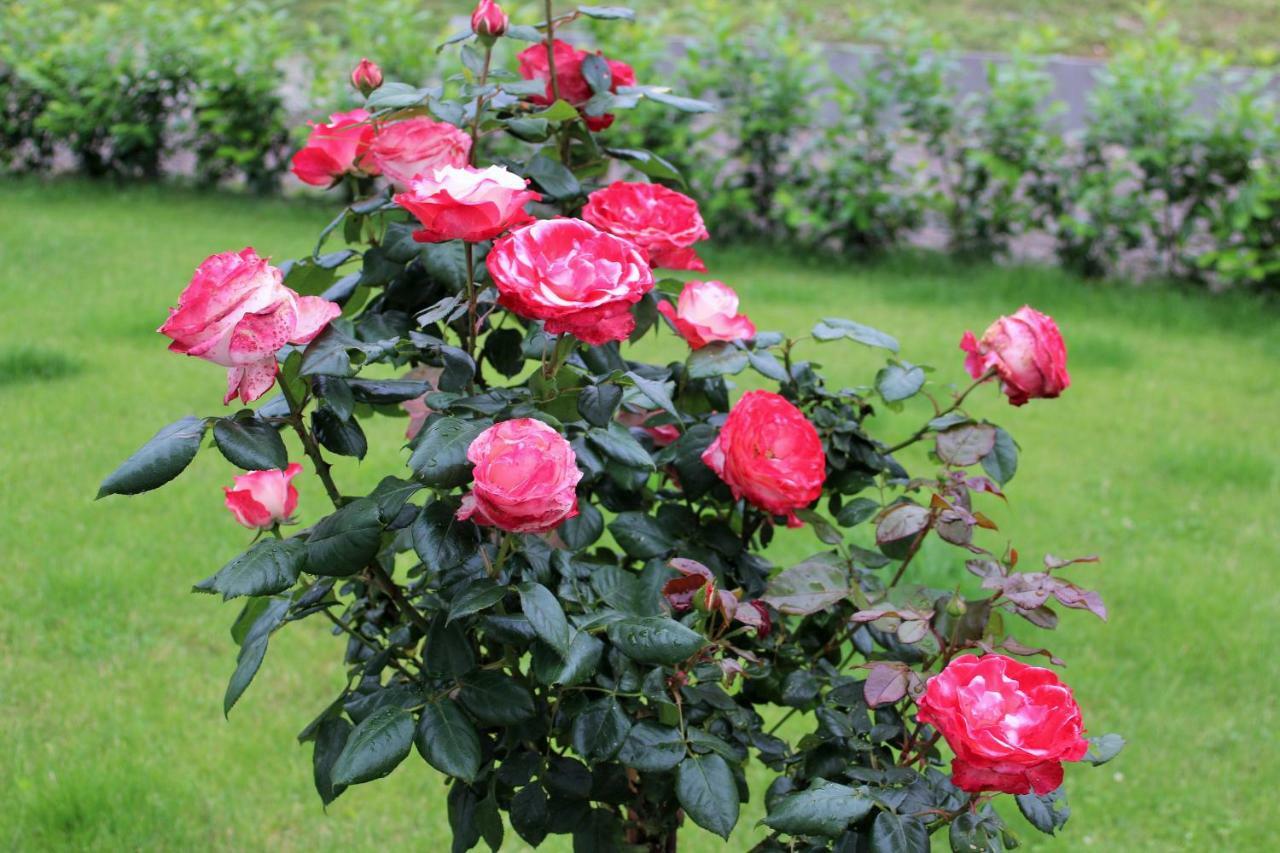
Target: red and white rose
263, 499
662, 222
465, 203
1025, 350
524, 480
707, 311
335, 148
404, 149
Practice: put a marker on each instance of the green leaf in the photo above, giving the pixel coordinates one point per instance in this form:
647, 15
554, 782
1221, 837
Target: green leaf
331, 738
1046, 812
1002, 462
553, 179
640, 535
825, 809
504, 348
597, 403
479, 596
652, 748
375, 747
808, 587
582, 660
249, 442
560, 111
598, 732
344, 438
608, 13
270, 566
448, 741
446, 649
618, 444
158, 461
708, 793
716, 359
253, 650
584, 528
346, 541
655, 639
857, 511
1104, 748
545, 615
596, 71
523, 33
835, 328
899, 381
327, 355
656, 392
648, 163
440, 540
440, 455
683, 104
393, 95
495, 698
893, 834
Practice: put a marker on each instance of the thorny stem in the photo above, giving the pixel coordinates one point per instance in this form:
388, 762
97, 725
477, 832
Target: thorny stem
480, 99
551, 53
924, 430
470, 340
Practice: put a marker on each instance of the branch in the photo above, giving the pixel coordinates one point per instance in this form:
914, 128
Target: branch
924, 430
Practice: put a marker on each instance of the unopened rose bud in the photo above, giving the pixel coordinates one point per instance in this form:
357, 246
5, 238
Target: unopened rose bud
366, 77
956, 606
488, 20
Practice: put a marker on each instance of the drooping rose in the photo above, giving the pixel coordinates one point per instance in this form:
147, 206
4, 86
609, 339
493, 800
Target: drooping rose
1010, 725
707, 311
334, 149
466, 203
1027, 352
571, 82
488, 20
524, 478
575, 277
403, 149
263, 499
366, 77
662, 222
237, 312
769, 453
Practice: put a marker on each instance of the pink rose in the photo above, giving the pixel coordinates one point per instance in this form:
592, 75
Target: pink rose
334, 149
366, 77
571, 82
769, 453
662, 222
1010, 725
237, 312
576, 278
415, 146
466, 204
662, 434
1027, 353
707, 311
488, 20
263, 499
524, 478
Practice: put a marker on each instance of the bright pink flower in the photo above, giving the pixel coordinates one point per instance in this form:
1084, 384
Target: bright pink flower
237, 312
334, 149
769, 453
1027, 352
488, 19
466, 203
263, 499
524, 478
366, 77
576, 278
573, 85
1010, 725
661, 221
707, 311
415, 146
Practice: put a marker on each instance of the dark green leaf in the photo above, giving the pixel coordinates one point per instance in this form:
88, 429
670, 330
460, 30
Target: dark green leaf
618, 444
545, 615
648, 163
641, 536
343, 543
270, 566
555, 181
584, 528
599, 731
894, 834
899, 381
504, 348
447, 650
253, 650
250, 443
835, 328
448, 741
652, 748
158, 461
655, 639
375, 747
656, 392
496, 698
1104, 748
608, 13
825, 809
708, 793
1002, 462
328, 354
597, 73
440, 454
1046, 812
582, 660
384, 391
597, 403
479, 596
440, 540
716, 359
344, 438
528, 813
331, 738
857, 511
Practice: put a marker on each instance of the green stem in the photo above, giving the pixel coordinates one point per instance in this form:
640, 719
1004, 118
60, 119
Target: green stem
924, 430
309, 445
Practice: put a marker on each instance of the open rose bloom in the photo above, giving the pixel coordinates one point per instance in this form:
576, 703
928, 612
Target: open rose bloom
707, 311
1026, 351
236, 312
576, 278
769, 453
524, 480
415, 146
570, 80
466, 204
661, 221
1010, 725
263, 499
334, 149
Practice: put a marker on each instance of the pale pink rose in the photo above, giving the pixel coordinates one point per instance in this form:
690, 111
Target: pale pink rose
417, 145
236, 312
263, 499
1026, 351
334, 149
467, 203
707, 311
524, 478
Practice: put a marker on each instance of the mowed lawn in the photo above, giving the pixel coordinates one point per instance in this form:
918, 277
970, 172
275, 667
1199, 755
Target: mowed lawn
1162, 457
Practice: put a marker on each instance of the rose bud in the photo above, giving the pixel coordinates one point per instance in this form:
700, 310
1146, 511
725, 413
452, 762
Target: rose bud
488, 20
236, 312
570, 81
263, 499
1010, 725
524, 478
466, 203
769, 453
707, 311
661, 221
574, 277
403, 149
366, 77
1025, 350
334, 149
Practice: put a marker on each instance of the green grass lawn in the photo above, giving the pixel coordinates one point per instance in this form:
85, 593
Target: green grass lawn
1161, 457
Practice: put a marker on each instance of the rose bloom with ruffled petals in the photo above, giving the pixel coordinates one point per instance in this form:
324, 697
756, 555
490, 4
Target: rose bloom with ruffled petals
1010, 725
236, 312
263, 499
334, 149
524, 478
571, 275
661, 221
769, 453
570, 81
404, 149
1026, 351
707, 311
466, 203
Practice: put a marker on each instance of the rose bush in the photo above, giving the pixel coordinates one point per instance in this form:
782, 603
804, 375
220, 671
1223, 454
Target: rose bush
564, 599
